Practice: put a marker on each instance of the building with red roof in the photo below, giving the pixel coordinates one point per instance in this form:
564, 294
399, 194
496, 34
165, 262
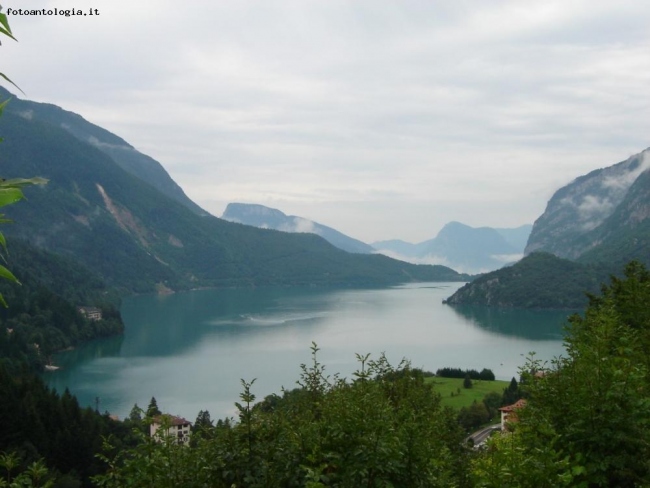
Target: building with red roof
509, 413
176, 427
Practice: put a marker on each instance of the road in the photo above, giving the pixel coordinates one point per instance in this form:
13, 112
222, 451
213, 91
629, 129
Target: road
481, 435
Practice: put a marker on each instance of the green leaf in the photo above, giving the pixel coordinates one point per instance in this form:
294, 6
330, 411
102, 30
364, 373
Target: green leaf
10, 195
3, 242
5, 29
8, 275
21, 182
7, 78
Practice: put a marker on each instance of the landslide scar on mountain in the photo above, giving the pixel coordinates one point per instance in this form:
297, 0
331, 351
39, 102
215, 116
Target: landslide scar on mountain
175, 241
124, 218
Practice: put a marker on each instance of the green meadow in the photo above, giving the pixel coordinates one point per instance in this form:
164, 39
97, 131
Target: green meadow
455, 396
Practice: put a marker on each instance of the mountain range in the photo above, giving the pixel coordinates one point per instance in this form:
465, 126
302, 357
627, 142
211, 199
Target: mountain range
118, 213
465, 248
599, 216
271, 218
589, 230
459, 246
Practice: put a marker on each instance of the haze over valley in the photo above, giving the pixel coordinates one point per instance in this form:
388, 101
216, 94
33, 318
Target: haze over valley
325, 244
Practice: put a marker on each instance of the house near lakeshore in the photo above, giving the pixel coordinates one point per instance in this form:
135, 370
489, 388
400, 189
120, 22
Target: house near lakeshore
176, 427
91, 313
509, 413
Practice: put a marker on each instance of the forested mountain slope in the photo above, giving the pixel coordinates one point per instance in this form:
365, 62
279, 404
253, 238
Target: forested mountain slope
137, 238
540, 280
42, 316
122, 153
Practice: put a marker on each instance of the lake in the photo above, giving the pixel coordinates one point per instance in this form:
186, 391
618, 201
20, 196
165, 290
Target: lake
191, 349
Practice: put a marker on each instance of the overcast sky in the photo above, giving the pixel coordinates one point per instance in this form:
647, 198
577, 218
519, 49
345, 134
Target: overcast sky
381, 119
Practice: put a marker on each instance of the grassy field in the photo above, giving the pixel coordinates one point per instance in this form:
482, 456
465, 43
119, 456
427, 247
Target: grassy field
447, 386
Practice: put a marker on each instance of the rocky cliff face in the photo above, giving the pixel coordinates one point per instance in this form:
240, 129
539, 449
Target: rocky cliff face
582, 215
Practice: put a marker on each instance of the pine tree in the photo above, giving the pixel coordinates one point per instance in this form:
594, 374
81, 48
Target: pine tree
153, 409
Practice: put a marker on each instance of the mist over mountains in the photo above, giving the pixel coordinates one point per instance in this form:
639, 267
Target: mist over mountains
606, 206
458, 246
473, 250
119, 214
590, 229
271, 218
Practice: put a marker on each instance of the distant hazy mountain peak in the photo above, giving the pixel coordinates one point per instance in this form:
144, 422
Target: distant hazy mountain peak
272, 218
235, 209
462, 247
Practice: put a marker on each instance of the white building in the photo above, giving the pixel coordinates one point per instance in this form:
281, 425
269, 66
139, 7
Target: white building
91, 313
177, 427
509, 413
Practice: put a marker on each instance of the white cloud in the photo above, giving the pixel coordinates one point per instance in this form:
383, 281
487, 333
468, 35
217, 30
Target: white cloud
621, 182
594, 206
430, 259
471, 111
507, 258
299, 225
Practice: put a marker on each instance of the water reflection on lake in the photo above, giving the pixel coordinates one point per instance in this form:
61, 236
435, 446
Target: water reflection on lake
529, 324
190, 350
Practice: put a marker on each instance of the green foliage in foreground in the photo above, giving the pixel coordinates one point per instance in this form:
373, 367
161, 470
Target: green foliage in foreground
587, 420
11, 474
586, 423
40, 424
10, 191
386, 427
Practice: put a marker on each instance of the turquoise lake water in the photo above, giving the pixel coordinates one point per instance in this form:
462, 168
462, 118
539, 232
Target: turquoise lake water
190, 350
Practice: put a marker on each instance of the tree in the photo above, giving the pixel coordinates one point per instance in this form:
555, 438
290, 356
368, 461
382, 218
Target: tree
467, 382
587, 417
486, 375
136, 414
492, 402
35, 475
203, 421
511, 393
474, 416
152, 409
386, 427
